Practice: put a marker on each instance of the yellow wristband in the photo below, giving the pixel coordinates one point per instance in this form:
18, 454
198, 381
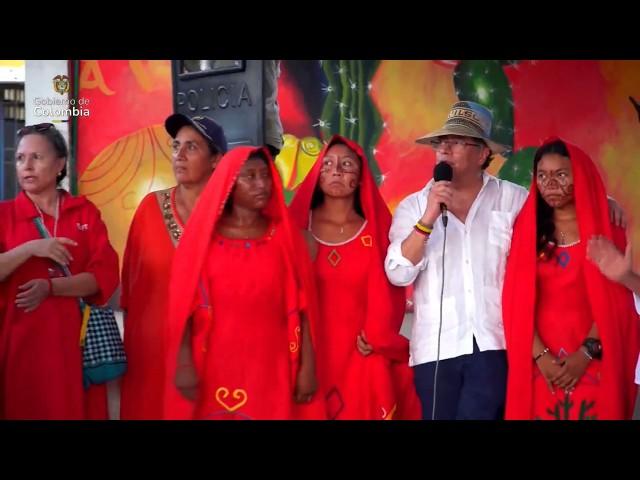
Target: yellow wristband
423, 228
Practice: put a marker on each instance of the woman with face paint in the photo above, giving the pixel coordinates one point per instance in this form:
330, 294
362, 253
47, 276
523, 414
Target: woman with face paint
362, 359
572, 333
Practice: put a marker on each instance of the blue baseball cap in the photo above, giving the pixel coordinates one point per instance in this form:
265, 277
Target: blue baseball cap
207, 127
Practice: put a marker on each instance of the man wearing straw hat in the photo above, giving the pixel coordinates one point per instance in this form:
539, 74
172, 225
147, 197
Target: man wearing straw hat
466, 340
457, 271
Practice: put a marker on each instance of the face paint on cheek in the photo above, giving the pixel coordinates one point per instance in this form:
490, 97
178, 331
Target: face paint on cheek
567, 190
562, 194
543, 189
354, 178
323, 179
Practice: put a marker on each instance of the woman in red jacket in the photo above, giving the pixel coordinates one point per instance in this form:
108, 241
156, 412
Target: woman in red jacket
40, 354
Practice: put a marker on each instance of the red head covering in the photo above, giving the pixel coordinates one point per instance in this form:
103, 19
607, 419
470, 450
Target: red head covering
610, 303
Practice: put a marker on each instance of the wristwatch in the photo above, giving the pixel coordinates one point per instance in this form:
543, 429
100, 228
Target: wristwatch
594, 347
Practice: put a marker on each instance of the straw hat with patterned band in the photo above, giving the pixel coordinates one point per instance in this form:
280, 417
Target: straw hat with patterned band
468, 119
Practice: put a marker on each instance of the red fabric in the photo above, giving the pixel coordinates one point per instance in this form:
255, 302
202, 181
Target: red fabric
356, 295
233, 384
238, 337
40, 358
145, 298
610, 304
563, 321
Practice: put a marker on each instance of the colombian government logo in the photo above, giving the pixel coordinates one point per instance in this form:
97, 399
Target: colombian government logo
61, 84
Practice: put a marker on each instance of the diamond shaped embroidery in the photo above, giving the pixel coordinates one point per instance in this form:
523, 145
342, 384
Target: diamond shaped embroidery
334, 403
367, 240
334, 258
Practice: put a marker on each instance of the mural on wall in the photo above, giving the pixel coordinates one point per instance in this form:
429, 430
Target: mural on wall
123, 150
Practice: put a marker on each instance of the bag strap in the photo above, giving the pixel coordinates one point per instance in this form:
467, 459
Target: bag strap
85, 309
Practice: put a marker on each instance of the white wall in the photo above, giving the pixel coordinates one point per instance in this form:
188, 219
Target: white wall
38, 87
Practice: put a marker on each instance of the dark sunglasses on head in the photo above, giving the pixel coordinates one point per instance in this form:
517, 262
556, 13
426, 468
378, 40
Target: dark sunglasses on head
40, 127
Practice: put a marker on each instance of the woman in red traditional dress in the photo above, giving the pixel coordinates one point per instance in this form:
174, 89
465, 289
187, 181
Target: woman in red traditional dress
198, 144
362, 358
40, 320
239, 342
572, 334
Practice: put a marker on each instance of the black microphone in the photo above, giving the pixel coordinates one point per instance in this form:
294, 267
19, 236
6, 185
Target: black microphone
443, 172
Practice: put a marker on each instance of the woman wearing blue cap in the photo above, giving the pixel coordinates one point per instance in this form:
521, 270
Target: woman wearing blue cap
198, 144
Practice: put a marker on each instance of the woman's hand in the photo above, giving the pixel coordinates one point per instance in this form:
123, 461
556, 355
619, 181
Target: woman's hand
32, 294
363, 347
306, 384
572, 369
53, 248
549, 369
616, 214
609, 260
187, 381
